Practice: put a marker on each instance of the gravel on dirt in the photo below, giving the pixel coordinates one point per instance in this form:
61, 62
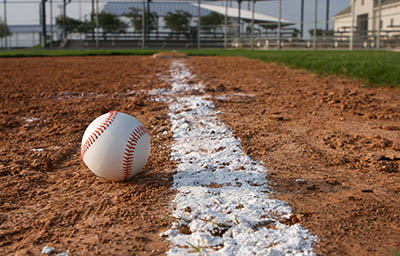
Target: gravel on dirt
332, 148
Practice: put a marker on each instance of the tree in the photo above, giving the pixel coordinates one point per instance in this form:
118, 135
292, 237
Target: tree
4, 30
212, 22
178, 22
110, 23
85, 27
72, 25
136, 19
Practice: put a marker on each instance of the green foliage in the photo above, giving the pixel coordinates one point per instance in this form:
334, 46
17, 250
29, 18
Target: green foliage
178, 22
4, 30
72, 25
395, 252
212, 21
85, 27
110, 23
136, 19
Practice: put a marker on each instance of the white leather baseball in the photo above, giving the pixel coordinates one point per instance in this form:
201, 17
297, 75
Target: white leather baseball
115, 146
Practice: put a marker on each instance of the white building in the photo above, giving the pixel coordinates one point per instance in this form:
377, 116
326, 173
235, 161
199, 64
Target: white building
366, 16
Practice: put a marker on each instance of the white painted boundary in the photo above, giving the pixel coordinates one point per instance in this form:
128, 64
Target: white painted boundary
223, 205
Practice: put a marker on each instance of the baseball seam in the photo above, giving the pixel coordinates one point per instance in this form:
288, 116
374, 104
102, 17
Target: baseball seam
97, 132
128, 158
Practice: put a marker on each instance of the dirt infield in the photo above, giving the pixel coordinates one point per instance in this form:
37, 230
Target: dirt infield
48, 197
332, 148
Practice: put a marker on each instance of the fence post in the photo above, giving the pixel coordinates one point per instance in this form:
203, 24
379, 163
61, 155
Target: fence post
327, 18
51, 23
5, 25
252, 23
43, 22
143, 25
315, 24
378, 38
279, 23
226, 25
302, 19
198, 24
97, 24
352, 25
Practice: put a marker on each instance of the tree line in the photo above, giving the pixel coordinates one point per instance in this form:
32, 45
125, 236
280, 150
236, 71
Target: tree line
179, 22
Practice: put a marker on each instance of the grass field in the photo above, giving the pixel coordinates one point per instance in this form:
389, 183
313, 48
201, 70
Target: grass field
376, 68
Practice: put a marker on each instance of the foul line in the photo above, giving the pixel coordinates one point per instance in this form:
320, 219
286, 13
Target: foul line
224, 205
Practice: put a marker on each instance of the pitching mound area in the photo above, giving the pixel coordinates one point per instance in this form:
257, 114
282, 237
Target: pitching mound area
169, 55
246, 157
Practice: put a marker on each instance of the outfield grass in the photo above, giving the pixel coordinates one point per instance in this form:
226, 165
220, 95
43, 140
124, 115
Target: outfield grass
375, 68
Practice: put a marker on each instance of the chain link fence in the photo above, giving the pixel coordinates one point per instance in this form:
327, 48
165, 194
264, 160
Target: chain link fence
317, 26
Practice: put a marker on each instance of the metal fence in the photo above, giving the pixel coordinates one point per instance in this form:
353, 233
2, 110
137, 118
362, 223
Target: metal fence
236, 33
267, 40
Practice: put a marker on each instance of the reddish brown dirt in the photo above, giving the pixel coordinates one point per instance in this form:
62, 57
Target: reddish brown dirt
340, 141
50, 197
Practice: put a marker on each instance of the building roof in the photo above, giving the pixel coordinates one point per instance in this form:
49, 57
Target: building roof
245, 15
345, 11
30, 28
162, 8
384, 2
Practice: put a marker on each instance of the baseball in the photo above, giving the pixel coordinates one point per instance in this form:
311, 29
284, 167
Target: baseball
115, 146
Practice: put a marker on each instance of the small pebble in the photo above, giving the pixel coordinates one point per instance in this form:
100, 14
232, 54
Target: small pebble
47, 250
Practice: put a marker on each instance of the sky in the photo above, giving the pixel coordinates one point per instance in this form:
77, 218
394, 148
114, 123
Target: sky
27, 11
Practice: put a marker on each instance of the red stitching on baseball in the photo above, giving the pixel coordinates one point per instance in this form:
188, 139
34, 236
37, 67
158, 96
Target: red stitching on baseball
130, 146
134, 137
97, 132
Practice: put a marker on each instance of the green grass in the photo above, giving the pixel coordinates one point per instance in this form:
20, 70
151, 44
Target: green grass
375, 68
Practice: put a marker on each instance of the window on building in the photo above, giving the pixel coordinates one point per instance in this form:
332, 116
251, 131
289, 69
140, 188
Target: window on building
391, 22
362, 2
381, 24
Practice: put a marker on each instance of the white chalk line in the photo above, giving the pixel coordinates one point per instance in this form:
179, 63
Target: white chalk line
224, 204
